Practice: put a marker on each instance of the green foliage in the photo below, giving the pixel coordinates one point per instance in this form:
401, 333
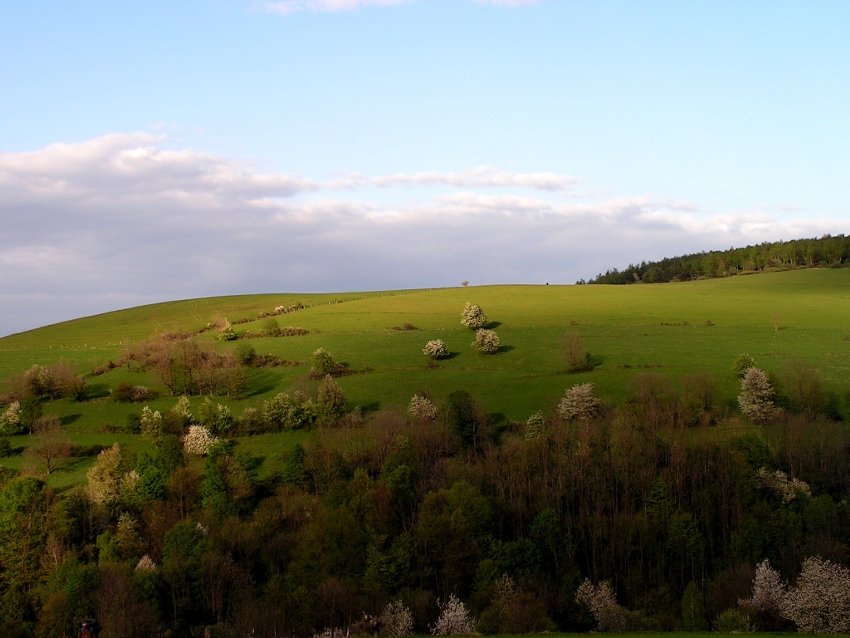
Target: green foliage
331, 405
321, 362
693, 611
285, 412
807, 253
271, 328
464, 415
227, 333
245, 353
743, 363
733, 621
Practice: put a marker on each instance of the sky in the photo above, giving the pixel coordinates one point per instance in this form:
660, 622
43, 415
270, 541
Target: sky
159, 150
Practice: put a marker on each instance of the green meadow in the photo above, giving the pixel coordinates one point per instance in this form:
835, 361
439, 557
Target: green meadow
675, 329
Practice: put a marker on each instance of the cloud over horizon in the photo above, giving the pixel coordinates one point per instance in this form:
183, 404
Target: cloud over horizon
288, 7
127, 219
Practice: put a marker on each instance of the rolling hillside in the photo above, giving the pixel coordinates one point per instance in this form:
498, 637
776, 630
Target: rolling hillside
675, 329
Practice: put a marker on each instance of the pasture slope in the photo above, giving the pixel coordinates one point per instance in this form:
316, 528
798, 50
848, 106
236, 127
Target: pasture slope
675, 329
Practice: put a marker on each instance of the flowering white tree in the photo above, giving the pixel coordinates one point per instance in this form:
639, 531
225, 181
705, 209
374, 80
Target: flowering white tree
198, 440
820, 601
422, 408
579, 403
601, 602
436, 349
151, 424
183, 409
215, 416
104, 477
454, 619
473, 317
227, 333
486, 341
778, 481
145, 564
288, 412
768, 590
756, 398
396, 620
10, 420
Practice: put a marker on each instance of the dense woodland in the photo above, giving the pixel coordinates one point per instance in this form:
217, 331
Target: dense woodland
671, 497
826, 252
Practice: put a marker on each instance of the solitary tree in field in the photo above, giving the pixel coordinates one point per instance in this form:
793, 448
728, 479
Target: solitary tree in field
486, 341
756, 398
574, 352
473, 317
436, 349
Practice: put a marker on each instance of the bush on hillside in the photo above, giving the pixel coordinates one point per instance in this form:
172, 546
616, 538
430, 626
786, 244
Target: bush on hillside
436, 349
757, 394
486, 341
198, 440
473, 317
579, 403
422, 409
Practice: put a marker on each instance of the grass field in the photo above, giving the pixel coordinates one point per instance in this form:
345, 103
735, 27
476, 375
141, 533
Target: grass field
675, 329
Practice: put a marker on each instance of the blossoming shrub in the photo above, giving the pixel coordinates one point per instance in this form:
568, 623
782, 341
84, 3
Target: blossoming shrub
422, 409
436, 349
820, 602
285, 412
579, 403
396, 620
602, 604
198, 440
146, 564
756, 398
778, 481
216, 417
227, 333
151, 424
486, 341
11, 421
473, 317
454, 619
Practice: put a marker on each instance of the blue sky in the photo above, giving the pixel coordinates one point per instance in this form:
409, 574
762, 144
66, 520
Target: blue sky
163, 150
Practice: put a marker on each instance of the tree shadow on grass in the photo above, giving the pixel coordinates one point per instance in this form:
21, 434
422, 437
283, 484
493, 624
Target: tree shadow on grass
497, 418
375, 406
596, 360
68, 419
260, 383
98, 391
503, 349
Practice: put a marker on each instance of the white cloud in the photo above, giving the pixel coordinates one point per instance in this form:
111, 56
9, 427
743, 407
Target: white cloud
288, 7
124, 220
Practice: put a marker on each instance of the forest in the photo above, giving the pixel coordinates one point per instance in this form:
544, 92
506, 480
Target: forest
420, 507
827, 252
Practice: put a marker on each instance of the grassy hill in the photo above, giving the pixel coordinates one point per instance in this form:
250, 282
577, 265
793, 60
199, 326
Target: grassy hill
675, 329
